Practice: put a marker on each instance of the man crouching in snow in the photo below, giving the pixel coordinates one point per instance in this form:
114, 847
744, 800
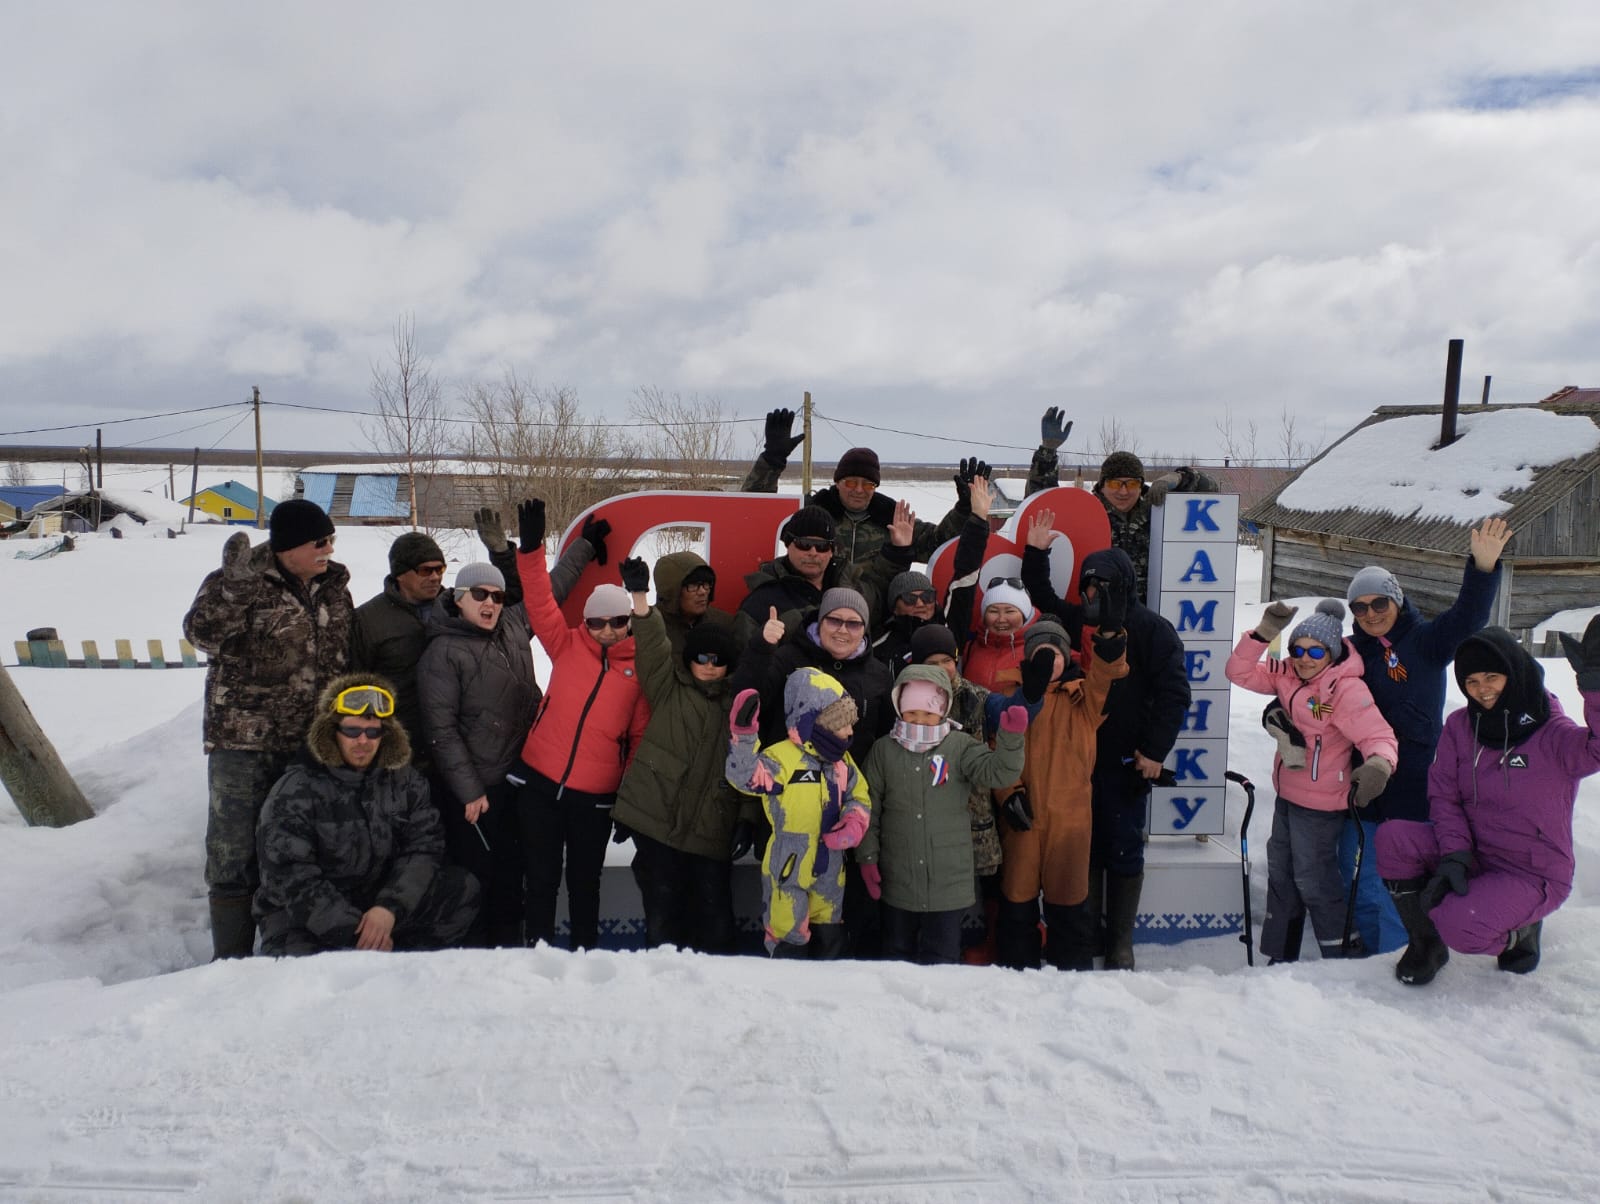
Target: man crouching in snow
349, 843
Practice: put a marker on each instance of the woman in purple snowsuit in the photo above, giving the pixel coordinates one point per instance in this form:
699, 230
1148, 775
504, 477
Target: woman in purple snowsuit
1496, 856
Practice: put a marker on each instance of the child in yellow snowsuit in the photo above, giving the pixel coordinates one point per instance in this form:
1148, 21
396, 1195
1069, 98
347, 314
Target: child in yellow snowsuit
816, 801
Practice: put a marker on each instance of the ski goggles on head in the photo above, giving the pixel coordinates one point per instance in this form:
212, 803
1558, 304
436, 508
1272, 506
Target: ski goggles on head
1317, 653
1377, 606
358, 700
1013, 582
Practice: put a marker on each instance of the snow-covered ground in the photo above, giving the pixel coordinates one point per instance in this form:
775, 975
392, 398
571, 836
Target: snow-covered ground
130, 1069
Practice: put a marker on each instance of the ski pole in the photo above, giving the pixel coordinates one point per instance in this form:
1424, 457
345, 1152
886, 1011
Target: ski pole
1244, 858
1355, 876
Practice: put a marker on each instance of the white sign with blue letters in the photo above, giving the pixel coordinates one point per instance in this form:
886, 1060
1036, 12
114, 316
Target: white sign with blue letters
1194, 552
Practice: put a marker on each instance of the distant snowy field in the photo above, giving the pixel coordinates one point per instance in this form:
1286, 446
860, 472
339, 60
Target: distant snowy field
130, 1069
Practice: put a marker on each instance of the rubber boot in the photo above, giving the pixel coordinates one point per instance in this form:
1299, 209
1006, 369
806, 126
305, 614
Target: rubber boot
1122, 912
1522, 950
1016, 936
1070, 944
233, 927
1097, 908
1426, 955
828, 942
983, 953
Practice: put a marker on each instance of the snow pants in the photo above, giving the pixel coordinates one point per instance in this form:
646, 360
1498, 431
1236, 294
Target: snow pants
1052, 856
1303, 880
1376, 919
929, 938
1498, 901
491, 851
441, 919
569, 828
238, 781
688, 899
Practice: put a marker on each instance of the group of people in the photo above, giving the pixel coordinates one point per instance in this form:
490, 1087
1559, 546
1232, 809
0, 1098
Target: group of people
393, 776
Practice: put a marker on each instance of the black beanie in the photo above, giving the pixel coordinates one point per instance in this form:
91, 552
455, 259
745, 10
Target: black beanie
410, 550
931, 639
812, 521
1479, 656
297, 522
711, 637
858, 462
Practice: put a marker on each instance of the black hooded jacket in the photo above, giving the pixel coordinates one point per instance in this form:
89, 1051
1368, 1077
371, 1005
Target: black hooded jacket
1523, 706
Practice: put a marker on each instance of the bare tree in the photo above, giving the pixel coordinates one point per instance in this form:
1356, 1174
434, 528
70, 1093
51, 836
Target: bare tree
1115, 437
1239, 440
411, 422
536, 442
687, 439
16, 473
1298, 449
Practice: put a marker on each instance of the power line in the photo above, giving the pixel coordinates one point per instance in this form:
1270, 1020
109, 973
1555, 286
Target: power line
231, 429
171, 434
923, 435
83, 426
471, 421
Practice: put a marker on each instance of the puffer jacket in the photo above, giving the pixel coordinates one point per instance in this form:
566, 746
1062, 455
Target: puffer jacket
920, 831
274, 644
994, 660
593, 714
676, 791
477, 696
1510, 800
334, 841
1334, 712
1405, 670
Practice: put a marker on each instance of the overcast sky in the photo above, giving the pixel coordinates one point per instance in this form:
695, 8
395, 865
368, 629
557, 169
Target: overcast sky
938, 218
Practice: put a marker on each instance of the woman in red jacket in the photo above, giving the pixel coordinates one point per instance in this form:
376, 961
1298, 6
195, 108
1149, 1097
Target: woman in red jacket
583, 737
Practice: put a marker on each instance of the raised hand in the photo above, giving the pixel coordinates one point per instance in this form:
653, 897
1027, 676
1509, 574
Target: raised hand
1041, 529
1274, 620
903, 526
1584, 655
530, 524
981, 495
491, 531
773, 630
779, 442
635, 575
1053, 428
1014, 719
594, 532
1487, 542
966, 472
236, 564
743, 717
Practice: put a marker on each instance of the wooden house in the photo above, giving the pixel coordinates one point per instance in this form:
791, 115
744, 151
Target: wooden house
1398, 491
231, 502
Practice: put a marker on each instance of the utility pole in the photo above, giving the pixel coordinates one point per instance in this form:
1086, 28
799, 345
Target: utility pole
194, 483
99, 460
261, 496
172, 483
805, 459
30, 768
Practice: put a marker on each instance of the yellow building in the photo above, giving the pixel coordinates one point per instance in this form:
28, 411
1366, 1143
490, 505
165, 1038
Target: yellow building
231, 502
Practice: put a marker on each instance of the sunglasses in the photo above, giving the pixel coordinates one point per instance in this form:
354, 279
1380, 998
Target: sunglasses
1013, 582
917, 595
358, 700
850, 625
1123, 483
810, 543
860, 483
620, 623
360, 731
325, 542
707, 658
482, 593
1316, 654
429, 570
1377, 606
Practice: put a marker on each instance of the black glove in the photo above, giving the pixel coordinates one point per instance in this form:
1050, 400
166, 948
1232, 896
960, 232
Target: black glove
1108, 609
963, 478
594, 532
1584, 655
491, 531
1450, 876
1053, 431
530, 524
1018, 811
1037, 671
779, 442
635, 575
744, 838
1109, 645
621, 833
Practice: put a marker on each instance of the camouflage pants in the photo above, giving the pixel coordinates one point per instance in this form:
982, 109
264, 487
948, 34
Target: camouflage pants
239, 780
441, 920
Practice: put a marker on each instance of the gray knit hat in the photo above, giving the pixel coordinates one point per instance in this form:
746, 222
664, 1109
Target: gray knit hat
1374, 579
840, 598
904, 583
1325, 625
607, 602
1047, 631
479, 573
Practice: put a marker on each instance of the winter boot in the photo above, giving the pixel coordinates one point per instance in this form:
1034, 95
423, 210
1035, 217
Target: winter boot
828, 942
1016, 936
983, 953
1122, 912
1426, 955
1522, 950
233, 927
1070, 941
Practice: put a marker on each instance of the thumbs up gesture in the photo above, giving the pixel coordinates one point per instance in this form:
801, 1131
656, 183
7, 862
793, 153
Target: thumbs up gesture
773, 630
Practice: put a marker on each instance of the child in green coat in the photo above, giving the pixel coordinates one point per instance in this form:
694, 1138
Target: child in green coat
917, 852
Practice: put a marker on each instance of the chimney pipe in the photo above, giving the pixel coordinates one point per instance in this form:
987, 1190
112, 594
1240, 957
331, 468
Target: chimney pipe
1452, 394
1486, 381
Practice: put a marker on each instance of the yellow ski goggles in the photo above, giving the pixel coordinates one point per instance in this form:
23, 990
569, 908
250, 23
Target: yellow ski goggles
358, 700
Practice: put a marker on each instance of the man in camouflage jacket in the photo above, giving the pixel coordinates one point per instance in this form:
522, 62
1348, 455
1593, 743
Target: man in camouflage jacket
275, 620
351, 846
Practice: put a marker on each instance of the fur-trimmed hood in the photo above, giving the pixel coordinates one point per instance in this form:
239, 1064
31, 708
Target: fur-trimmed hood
323, 745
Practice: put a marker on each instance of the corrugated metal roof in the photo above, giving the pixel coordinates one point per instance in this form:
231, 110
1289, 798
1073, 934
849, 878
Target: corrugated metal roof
1550, 484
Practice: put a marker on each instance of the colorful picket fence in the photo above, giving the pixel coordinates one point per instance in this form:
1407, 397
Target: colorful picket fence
52, 654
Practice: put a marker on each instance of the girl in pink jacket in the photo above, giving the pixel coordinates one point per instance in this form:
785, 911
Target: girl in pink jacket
1325, 713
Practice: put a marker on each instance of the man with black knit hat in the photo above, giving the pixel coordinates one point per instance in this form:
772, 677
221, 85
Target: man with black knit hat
794, 582
275, 620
